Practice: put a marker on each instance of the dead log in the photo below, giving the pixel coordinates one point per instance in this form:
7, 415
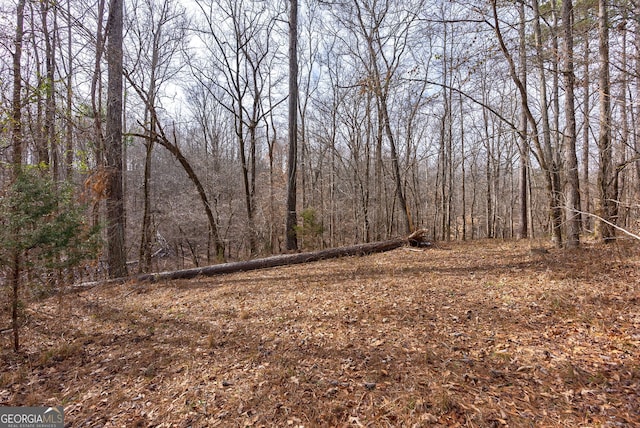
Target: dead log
274, 261
268, 262
419, 238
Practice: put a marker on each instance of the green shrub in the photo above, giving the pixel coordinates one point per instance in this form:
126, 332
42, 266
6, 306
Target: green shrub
311, 229
43, 226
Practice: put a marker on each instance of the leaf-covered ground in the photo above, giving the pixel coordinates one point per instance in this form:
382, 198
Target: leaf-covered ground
463, 334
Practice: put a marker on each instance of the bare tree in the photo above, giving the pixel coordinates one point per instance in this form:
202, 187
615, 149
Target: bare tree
153, 64
239, 49
524, 141
370, 19
44, 33
113, 143
376, 35
570, 136
17, 141
636, 142
586, 132
292, 160
159, 136
68, 148
605, 201
545, 154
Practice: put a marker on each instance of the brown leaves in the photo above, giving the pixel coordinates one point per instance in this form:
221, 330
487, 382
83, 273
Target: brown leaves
479, 334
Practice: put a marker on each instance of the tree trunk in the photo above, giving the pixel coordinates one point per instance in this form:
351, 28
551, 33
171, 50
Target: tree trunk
442, 168
96, 94
380, 82
48, 149
488, 175
16, 114
586, 192
379, 201
571, 158
161, 138
144, 257
292, 162
636, 142
38, 94
546, 153
271, 142
264, 263
115, 199
621, 212
68, 150
523, 212
249, 178
463, 177
16, 128
604, 230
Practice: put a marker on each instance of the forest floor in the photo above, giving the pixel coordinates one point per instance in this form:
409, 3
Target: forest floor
472, 334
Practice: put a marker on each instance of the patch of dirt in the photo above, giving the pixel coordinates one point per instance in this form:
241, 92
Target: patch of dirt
476, 334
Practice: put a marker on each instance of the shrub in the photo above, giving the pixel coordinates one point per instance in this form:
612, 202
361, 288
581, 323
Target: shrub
311, 229
44, 226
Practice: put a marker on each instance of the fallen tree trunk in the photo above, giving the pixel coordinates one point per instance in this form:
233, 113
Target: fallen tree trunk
268, 262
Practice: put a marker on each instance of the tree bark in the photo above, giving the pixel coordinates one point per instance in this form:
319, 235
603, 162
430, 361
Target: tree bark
280, 260
547, 151
620, 211
115, 198
489, 214
523, 211
47, 146
292, 162
264, 263
96, 90
586, 193
636, 142
16, 128
463, 177
571, 158
144, 255
604, 203
68, 150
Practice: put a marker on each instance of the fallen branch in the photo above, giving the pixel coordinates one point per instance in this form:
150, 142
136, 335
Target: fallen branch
268, 262
615, 226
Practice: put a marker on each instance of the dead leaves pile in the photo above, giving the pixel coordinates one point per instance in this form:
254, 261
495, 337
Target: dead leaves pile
466, 334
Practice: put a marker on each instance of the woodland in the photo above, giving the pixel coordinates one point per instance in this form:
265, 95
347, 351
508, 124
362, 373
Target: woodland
196, 132
145, 136
482, 333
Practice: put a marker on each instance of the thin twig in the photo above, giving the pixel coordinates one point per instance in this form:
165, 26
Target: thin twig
621, 229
